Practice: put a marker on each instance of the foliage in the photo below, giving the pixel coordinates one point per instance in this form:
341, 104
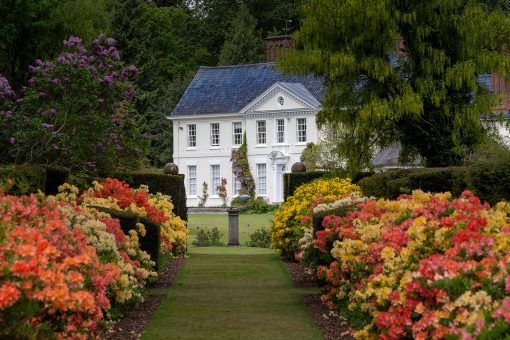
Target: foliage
287, 226
243, 44
259, 206
241, 169
208, 237
259, 238
222, 191
50, 123
424, 266
53, 282
324, 155
423, 94
55, 177
205, 195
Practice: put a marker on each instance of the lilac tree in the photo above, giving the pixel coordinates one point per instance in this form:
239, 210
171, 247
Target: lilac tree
76, 111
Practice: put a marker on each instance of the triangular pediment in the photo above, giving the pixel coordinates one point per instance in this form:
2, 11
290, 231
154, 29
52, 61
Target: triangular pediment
283, 97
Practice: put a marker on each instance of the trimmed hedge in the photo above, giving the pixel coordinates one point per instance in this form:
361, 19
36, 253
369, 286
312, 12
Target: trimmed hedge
294, 180
29, 178
490, 181
152, 239
55, 177
172, 185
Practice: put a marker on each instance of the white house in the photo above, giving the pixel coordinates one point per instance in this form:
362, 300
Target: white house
276, 111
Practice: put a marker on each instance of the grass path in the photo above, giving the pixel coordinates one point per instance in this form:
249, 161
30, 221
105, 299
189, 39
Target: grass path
232, 293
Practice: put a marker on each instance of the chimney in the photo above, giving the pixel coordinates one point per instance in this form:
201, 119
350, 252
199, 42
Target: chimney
273, 44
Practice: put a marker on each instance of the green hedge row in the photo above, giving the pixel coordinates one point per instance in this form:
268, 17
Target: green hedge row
152, 239
490, 181
31, 178
172, 185
294, 180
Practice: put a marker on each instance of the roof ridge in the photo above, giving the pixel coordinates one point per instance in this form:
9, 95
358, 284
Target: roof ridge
235, 66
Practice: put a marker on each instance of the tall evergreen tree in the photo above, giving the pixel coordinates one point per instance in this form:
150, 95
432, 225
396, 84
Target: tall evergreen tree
424, 95
243, 44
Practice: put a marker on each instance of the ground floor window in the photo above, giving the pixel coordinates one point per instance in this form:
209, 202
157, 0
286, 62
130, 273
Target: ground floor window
261, 180
237, 186
192, 180
215, 179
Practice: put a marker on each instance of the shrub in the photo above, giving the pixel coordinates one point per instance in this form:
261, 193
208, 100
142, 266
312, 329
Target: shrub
53, 284
55, 177
77, 111
287, 226
27, 178
424, 266
157, 181
292, 181
491, 180
208, 237
258, 206
259, 238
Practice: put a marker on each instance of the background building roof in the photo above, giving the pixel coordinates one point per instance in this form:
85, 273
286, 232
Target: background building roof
228, 89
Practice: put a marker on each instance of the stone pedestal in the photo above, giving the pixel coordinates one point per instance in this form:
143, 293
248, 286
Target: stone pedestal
233, 227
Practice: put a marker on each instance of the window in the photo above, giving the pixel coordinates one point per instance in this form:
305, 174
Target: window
215, 179
192, 180
280, 131
301, 130
237, 128
215, 134
192, 136
261, 179
261, 132
237, 186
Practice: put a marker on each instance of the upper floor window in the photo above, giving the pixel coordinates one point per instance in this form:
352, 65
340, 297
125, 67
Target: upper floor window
192, 136
215, 134
261, 132
301, 130
280, 131
192, 180
237, 128
215, 179
261, 179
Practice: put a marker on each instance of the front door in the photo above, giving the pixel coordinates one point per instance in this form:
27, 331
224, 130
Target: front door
280, 170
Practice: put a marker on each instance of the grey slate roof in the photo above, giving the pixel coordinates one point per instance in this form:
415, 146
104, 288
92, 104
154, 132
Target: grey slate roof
228, 89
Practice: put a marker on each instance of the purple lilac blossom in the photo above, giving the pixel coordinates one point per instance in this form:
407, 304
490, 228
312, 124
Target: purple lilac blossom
47, 127
12, 140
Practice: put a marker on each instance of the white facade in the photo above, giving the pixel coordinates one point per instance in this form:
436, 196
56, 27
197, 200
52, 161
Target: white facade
278, 125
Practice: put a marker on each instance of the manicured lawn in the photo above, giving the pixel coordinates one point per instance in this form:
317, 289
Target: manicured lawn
232, 293
247, 224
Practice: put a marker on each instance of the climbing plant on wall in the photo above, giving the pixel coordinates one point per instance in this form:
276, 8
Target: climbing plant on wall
241, 169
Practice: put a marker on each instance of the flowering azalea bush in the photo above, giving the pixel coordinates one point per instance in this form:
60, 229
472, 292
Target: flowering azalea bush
287, 227
112, 246
52, 283
423, 266
118, 195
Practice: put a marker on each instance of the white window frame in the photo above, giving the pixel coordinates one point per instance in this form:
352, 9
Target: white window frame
236, 135
192, 138
277, 132
260, 133
215, 181
298, 131
215, 135
236, 187
261, 180
192, 186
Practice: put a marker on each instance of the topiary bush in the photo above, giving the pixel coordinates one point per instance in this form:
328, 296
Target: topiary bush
490, 181
294, 180
55, 177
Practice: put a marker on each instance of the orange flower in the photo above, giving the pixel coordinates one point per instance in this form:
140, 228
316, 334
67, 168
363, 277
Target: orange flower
9, 294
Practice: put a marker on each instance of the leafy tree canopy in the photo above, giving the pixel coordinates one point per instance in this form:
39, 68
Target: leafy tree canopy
424, 94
